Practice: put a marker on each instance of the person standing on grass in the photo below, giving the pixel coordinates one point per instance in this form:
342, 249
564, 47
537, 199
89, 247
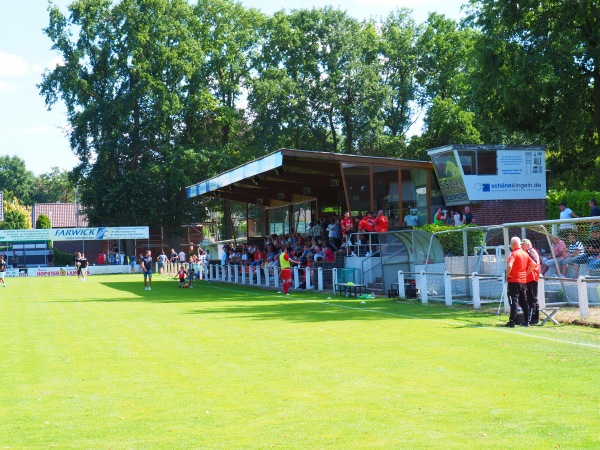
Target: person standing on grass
2, 270
286, 273
83, 267
77, 264
518, 266
50, 258
181, 275
146, 268
532, 283
162, 262
191, 275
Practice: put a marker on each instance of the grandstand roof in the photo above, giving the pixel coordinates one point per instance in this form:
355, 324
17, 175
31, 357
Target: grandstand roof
290, 176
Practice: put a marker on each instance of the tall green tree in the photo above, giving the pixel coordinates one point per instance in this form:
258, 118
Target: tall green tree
126, 70
399, 57
444, 66
15, 179
538, 80
53, 187
228, 34
317, 83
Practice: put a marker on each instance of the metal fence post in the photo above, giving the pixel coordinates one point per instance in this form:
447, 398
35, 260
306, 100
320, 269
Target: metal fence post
401, 287
448, 288
423, 284
296, 277
583, 298
334, 278
476, 291
320, 278
542, 292
505, 297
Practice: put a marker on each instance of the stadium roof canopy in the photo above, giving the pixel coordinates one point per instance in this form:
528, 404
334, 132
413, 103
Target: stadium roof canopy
290, 176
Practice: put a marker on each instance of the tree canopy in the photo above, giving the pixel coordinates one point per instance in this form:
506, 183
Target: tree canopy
163, 93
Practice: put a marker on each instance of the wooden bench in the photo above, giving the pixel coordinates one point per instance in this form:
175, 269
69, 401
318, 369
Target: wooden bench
549, 313
350, 289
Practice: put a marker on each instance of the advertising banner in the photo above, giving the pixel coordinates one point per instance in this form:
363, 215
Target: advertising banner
74, 234
467, 174
22, 272
521, 175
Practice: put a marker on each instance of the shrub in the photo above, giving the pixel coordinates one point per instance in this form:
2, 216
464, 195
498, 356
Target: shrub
62, 259
43, 222
578, 201
452, 243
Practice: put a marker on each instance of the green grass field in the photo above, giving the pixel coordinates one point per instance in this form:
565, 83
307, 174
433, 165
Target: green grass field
107, 365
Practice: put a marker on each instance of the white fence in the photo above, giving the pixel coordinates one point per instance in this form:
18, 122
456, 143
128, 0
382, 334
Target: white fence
449, 288
267, 277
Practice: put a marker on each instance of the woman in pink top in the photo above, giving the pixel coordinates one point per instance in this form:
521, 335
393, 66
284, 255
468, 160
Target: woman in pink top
559, 248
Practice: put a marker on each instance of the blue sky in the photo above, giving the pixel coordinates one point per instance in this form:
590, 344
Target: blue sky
30, 131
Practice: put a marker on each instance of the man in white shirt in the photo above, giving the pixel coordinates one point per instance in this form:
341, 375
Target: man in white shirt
566, 213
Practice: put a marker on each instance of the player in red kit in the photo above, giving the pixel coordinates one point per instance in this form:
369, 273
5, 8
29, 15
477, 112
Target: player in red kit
381, 222
286, 273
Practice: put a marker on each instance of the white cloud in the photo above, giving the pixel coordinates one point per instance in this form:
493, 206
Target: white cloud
7, 87
12, 65
56, 61
42, 129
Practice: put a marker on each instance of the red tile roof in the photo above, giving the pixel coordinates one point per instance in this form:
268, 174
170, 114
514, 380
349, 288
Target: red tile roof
61, 215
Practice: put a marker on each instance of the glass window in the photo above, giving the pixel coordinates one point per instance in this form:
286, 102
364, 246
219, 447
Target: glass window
445, 165
256, 220
487, 163
302, 217
385, 186
358, 183
468, 162
414, 195
482, 162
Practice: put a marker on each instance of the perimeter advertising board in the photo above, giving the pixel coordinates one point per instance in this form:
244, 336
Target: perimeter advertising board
74, 234
22, 272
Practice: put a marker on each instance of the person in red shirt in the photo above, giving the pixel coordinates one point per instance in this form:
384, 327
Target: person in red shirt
367, 223
381, 222
518, 266
328, 254
346, 223
259, 257
532, 282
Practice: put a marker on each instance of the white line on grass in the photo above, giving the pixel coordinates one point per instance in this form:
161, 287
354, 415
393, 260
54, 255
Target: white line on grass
501, 329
